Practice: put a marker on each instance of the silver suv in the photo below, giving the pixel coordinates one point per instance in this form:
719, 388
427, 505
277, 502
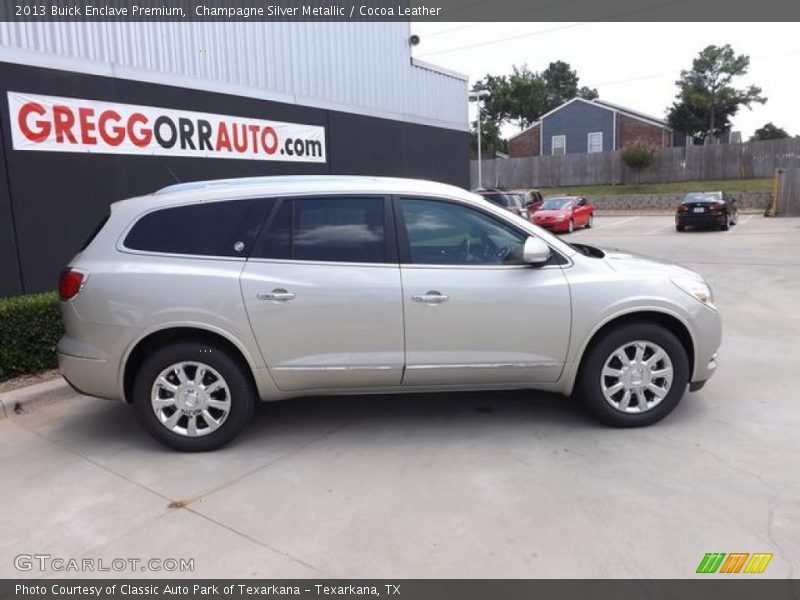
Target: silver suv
195, 301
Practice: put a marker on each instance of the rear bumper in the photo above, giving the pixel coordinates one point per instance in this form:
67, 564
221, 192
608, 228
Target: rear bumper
88, 376
704, 220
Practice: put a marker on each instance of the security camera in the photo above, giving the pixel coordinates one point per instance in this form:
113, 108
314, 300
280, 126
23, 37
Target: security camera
414, 40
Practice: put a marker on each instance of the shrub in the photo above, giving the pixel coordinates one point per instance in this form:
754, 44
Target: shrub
29, 330
638, 157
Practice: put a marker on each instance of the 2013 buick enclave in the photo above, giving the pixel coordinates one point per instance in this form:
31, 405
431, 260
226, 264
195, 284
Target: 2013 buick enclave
196, 301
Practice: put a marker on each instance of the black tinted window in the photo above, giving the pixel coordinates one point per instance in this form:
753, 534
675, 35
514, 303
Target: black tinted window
205, 229
702, 197
326, 229
444, 233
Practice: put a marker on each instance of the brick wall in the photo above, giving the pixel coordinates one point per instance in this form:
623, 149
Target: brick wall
633, 131
525, 144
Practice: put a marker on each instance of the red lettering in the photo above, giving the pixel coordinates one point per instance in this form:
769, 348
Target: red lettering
141, 138
243, 146
269, 132
223, 140
87, 126
106, 133
42, 130
64, 120
254, 131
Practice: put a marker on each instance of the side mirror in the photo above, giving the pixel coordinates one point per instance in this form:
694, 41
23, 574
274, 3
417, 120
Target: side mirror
535, 251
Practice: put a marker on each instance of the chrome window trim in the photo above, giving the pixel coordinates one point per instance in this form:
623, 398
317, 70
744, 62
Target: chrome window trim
290, 261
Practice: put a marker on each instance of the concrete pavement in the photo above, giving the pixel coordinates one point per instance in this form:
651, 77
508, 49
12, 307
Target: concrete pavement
513, 484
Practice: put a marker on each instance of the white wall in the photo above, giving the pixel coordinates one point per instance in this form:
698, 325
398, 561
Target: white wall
356, 67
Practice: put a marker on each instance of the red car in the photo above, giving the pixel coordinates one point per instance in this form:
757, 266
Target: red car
564, 214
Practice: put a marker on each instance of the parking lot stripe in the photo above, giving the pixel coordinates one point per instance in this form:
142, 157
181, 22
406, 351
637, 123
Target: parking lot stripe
743, 221
615, 223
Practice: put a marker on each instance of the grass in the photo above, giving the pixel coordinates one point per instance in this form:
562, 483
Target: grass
731, 185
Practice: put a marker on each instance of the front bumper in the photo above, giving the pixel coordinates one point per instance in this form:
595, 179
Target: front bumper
553, 225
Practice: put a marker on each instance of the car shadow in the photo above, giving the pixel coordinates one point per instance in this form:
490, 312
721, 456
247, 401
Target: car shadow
114, 427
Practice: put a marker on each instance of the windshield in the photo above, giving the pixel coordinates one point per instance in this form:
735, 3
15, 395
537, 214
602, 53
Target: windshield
556, 204
702, 197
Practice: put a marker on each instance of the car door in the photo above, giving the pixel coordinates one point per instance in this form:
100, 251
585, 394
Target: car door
582, 213
474, 313
322, 291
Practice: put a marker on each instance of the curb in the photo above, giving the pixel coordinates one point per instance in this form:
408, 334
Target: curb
25, 400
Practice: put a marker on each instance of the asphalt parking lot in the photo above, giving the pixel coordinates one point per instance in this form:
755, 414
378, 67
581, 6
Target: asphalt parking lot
512, 484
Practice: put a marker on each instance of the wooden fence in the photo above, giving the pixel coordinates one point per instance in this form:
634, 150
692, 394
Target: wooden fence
692, 163
789, 193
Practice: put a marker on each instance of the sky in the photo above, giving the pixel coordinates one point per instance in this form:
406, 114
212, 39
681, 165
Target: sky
631, 64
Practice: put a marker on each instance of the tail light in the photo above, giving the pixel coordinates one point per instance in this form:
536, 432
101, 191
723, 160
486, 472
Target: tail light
70, 283
717, 206
682, 208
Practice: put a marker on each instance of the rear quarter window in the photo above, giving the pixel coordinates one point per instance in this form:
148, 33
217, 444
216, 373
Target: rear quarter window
328, 229
226, 228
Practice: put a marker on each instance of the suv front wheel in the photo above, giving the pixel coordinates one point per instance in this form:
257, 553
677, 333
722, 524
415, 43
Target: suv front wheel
634, 375
193, 396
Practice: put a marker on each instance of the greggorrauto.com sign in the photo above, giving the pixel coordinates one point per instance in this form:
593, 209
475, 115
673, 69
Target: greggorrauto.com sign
54, 124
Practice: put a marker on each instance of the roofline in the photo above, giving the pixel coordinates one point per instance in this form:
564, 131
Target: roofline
610, 106
528, 128
423, 64
632, 113
560, 106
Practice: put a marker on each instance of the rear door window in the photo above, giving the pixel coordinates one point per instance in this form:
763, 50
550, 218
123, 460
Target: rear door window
227, 228
330, 229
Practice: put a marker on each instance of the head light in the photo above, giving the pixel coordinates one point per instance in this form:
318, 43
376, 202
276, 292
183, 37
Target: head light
697, 289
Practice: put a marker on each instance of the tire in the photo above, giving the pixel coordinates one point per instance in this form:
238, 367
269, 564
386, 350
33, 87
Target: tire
680, 227
591, 378
590, 222
214, 426
570, 226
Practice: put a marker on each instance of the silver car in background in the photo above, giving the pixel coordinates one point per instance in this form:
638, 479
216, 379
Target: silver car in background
197, 301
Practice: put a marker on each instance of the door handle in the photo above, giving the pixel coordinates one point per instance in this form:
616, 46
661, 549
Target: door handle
432, 297
276, 295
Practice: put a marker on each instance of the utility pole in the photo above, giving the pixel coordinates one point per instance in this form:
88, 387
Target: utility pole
476, 96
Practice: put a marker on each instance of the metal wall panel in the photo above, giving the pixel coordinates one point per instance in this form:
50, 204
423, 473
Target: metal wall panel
364, 68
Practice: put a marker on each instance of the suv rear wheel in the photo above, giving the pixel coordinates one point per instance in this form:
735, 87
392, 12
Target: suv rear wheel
634, 375
193, 396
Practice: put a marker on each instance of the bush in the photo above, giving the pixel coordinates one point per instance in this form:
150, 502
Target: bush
638, 157
29, 330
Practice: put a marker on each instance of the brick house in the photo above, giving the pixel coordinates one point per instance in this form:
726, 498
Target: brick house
581, 126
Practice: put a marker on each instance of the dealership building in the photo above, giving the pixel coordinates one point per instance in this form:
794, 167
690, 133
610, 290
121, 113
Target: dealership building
91, 113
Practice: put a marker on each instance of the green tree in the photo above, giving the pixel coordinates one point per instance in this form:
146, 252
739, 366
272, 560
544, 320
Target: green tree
706, 99
770, 131
524, 96
638, 157
561, 85
491, 139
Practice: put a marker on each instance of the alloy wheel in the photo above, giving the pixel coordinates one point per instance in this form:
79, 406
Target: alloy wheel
636, 377
190, 399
